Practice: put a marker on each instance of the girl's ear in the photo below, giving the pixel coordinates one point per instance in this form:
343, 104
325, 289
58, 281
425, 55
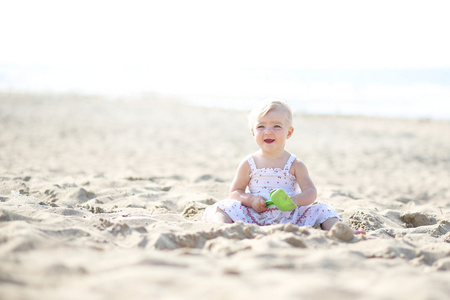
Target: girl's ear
290, 131
253, 133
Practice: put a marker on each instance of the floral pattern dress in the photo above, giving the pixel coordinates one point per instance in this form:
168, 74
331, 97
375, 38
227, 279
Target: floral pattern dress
262, 182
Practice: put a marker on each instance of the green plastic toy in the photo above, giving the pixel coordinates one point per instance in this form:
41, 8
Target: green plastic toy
279, 198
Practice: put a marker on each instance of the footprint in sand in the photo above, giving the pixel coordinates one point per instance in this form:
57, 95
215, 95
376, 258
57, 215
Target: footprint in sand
417, 219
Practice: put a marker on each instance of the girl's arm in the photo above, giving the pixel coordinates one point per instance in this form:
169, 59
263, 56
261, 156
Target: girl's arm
239, 185
308, 191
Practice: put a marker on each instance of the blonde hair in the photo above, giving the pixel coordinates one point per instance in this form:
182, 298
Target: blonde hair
264, 108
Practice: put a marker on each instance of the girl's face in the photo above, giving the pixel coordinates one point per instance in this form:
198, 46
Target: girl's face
272, 131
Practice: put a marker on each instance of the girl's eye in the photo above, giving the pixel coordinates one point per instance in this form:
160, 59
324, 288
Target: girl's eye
277, 126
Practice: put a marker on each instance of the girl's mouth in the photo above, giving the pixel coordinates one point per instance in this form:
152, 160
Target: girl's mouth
269, 141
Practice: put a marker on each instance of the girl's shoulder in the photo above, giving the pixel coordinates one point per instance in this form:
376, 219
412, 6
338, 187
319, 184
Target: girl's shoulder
298, 168
245, 163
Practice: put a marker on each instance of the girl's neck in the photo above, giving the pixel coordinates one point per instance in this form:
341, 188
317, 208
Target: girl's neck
271, 160
273, 155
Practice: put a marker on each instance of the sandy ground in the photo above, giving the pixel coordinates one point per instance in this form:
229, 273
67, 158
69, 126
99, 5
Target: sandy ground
103, 199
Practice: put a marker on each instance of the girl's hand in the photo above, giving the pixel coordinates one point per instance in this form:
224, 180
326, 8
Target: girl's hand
259, 204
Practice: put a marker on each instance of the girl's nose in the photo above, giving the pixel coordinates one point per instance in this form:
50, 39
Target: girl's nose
268, 131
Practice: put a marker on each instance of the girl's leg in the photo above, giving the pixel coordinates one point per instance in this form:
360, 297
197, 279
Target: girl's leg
329, 223
221, 217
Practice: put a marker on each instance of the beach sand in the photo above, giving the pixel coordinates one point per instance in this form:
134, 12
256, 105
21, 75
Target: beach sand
103, 199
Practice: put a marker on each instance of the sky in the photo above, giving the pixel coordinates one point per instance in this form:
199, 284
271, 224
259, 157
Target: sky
225, 34
222, 47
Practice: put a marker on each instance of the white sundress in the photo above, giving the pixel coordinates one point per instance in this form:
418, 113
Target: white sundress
262, 182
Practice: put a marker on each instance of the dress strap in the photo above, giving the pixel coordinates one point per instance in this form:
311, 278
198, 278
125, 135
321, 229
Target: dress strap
251, 162
288, 165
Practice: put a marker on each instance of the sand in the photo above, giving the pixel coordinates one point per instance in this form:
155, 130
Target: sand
102, 199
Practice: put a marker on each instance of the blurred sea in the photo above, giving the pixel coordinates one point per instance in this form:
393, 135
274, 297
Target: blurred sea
404, 93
